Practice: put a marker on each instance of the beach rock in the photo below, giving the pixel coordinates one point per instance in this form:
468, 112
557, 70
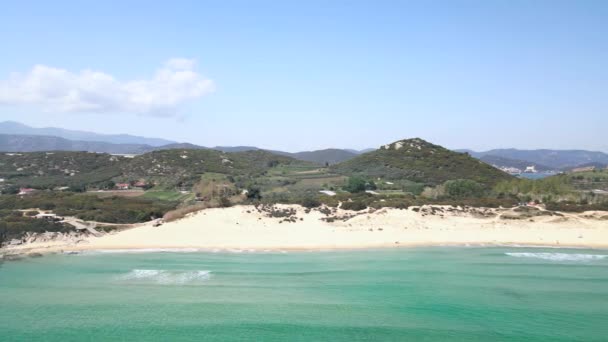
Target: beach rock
12, 257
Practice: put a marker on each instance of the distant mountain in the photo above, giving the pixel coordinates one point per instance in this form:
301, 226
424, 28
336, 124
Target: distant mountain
419, 161
36, 143
513, 163
360, 151
596, 165
39, 143
555, 159
11, 127
236, 148
181, 146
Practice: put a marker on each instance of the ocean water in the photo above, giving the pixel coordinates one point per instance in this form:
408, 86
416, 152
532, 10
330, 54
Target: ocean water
408, 294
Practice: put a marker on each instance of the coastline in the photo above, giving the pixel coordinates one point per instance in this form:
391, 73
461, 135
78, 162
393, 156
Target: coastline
294, 228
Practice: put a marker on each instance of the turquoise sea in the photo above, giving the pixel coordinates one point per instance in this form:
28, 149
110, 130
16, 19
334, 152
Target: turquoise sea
415, 294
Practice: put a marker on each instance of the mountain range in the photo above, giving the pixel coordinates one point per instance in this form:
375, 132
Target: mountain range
17, 137
553, 159
12, 127
411, 161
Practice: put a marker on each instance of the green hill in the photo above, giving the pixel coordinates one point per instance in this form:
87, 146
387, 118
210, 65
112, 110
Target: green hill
166, 167
419, 161
51, 169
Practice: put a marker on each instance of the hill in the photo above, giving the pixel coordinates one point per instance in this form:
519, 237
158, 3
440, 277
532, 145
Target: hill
11, 127
52, 169
43, 143
555, 159
321, 157
177, 146
419, 161
16, 137
593, 165
186, 166
169, 168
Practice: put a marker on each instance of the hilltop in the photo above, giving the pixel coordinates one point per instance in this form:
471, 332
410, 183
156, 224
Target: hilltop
419, 161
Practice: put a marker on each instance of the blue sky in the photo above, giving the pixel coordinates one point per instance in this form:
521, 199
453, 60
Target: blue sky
301, 75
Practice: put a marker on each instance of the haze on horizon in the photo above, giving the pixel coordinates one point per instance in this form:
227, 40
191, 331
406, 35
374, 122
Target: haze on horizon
304, 76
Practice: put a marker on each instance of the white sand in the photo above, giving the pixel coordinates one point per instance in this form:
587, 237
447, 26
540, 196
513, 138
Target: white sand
235, 228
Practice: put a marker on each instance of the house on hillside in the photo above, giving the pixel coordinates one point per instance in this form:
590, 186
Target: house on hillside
140, 184
26, 191
122, 186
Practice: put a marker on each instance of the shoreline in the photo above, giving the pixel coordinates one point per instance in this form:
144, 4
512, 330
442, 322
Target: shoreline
294, 228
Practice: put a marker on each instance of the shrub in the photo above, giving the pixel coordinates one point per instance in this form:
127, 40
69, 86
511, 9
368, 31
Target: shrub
463, 188
225, 202
310, 202
254, 193
370, 186
355, 184
354, 205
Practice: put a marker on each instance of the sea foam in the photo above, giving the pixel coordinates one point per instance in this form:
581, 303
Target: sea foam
166, 277
559, 256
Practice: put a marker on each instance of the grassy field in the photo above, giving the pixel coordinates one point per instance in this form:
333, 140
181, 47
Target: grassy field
118, 193
167, 195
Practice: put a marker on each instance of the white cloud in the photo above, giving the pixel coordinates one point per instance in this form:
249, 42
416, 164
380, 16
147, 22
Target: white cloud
61, 90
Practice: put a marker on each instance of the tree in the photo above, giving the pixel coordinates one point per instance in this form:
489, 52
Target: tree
2, 233
370, 186
311, 202
254, 193
10, 190
78, 188
355, 184
463, 188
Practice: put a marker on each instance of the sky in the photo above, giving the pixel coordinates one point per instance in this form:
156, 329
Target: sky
305, 75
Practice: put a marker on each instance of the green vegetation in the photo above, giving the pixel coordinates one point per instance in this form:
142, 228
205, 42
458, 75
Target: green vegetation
463, 188
355, 184
559, 185
419, 161
173, 196
14, 224
47, 170
90, 207
179, 181
166, 169
590, 180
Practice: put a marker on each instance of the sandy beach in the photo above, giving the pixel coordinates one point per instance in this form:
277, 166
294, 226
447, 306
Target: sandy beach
251, 228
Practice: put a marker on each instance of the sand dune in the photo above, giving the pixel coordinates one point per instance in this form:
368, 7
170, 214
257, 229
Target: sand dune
245, 227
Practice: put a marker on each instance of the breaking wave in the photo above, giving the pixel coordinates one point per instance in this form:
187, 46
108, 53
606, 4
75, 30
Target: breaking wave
559, 256
166, 277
